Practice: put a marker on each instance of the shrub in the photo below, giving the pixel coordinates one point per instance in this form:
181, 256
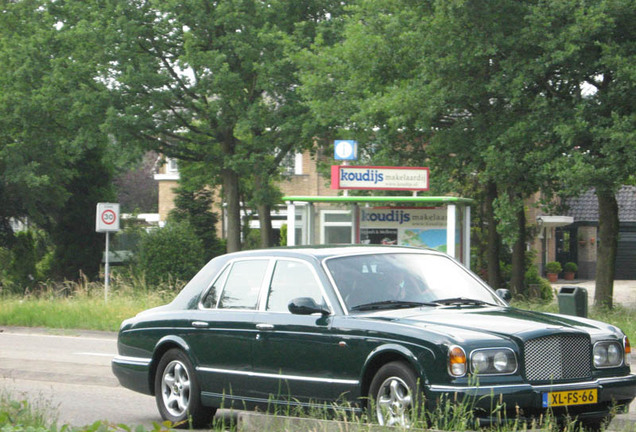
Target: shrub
172, 252
553, 267
532, 276
547, 293
570, 267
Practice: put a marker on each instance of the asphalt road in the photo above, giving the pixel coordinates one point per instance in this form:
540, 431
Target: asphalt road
69, 374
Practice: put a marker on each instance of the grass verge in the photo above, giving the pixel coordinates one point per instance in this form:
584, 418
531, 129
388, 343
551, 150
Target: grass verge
82, 306
621, 317
79, 306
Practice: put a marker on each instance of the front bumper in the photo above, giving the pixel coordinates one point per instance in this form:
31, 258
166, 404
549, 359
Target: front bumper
526, 400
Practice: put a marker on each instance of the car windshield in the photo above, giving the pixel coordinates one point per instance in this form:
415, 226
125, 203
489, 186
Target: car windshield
392, 280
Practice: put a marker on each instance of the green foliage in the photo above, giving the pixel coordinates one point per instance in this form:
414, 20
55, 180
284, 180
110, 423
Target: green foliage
532, 276
237, 110
193, 204
173, 252
553, 267
547, 292
51, 106
27, 262
570, 267
283, 235
252, 239
78, 248
22, 415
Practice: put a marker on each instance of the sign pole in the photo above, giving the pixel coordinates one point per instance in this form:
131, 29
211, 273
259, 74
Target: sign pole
106, 269
107, 220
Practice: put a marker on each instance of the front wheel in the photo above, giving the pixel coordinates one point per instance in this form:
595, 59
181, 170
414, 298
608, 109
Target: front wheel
177, 392
395, 396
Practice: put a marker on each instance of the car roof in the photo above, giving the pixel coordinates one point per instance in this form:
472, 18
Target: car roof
327, 251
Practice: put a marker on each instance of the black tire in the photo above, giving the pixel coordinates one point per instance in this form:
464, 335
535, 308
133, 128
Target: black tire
178, 394
395, 398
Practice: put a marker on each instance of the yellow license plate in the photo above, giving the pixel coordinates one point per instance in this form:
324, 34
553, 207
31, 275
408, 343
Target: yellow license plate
572, 397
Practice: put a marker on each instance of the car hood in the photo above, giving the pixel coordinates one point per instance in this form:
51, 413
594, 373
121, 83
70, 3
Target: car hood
495, 321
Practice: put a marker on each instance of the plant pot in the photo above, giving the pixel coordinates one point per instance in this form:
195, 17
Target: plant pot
568, 276
553, 277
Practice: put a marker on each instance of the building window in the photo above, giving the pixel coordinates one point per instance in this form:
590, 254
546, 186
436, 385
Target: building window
335, 226
172, 165
292, 164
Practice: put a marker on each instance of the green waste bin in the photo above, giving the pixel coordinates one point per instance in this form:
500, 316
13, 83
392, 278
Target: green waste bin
573, 301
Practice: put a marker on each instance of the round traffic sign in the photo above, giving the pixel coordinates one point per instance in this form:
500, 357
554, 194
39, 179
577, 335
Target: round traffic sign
109, 217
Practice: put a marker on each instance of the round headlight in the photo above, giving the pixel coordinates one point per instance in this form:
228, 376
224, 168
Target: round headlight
480, 362
500, 361
613, 354
600, 355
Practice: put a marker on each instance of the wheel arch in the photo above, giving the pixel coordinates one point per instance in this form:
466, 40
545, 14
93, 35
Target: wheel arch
163, 346
386, 354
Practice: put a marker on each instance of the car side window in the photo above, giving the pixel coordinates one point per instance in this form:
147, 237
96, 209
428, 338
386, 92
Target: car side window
243, 284
211, 297
291, 279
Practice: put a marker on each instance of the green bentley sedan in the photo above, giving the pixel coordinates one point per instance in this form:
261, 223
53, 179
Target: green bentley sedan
391, 330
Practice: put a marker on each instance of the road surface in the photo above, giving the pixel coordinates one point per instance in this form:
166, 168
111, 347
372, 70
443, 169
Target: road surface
69, 373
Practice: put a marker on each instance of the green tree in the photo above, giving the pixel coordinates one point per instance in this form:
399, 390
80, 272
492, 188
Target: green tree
588, 53
34, 155
78, 248
211, 83
51, 107
193, 204
440, 83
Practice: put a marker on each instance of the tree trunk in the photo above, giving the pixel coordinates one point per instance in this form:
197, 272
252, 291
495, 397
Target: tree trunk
265, 219
232, 210
608, 244
519, 252
494, 240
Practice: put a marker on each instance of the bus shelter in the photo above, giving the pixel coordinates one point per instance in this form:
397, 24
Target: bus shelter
441, 223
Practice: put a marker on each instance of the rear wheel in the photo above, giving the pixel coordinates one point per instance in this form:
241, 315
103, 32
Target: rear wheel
177, 392
395, 396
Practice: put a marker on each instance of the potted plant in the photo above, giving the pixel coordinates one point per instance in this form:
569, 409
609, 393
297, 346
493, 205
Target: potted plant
569, 269
582, 241
553, 268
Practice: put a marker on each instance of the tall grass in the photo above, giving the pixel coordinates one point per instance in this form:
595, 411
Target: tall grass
620, 316
81, 305
24, 415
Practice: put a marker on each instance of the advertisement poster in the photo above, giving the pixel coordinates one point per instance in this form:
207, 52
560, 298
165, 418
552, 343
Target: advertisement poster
419, 227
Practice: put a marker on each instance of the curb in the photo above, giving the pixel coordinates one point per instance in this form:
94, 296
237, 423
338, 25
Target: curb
258, 422
623, 423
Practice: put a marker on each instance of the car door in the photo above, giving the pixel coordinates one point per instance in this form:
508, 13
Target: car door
295, 356
223, 330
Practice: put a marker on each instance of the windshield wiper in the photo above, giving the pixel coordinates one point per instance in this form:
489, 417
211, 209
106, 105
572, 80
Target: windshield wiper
390, 304
460, 301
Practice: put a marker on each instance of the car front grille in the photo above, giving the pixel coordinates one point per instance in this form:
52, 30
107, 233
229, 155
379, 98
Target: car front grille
558, 358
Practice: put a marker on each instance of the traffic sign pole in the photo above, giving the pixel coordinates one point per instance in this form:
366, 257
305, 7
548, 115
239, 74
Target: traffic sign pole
107, 220
106, 268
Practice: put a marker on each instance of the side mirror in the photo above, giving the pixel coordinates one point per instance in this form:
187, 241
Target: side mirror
306, 306
504, 294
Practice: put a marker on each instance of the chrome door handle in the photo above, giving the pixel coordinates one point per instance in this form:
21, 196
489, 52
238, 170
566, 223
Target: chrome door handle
199, 324
265, 326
